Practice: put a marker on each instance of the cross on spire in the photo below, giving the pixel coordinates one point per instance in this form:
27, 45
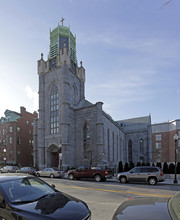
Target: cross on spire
62, 20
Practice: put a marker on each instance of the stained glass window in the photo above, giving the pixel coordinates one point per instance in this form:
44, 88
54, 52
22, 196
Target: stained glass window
86, 136
130, 151
54, 113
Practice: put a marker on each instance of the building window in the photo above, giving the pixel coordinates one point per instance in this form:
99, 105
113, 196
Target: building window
18, 140
130, 151
54, 118
19, 153
178, 143
141, 146
158, 137
178, 134
30, 132
108, 144
18, 129
10, 129
10, 140
27, 123
86, 141
3, 131
10, 154
30, 142
158, 145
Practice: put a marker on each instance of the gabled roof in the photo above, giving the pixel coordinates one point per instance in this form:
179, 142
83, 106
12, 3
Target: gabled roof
84, 103
135, 124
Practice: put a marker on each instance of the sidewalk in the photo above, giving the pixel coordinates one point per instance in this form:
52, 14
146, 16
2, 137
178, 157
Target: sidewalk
170, 182
167, 181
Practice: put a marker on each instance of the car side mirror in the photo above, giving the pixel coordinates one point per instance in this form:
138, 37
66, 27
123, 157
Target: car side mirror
53, 186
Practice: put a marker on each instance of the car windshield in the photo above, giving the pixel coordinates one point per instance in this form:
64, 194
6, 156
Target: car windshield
173, 206
26, 189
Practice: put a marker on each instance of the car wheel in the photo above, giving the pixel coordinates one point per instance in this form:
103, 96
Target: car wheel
152, 181
123, 179
37, 174
71, 176
52, 175
97, 178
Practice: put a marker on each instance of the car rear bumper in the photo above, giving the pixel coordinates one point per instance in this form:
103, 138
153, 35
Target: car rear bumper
161, 179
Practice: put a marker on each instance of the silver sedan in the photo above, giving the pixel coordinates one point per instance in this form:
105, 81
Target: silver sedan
50, 172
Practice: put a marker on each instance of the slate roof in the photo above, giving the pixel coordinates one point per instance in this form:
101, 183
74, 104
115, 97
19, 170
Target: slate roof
135, 124
84, 103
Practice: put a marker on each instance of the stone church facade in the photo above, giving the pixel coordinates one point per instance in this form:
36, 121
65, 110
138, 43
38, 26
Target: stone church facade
71, 131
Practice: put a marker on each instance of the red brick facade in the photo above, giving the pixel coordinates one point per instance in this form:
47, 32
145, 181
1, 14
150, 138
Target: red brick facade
163, 144
16, 136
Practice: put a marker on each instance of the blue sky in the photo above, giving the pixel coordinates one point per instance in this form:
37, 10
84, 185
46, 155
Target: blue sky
129, 48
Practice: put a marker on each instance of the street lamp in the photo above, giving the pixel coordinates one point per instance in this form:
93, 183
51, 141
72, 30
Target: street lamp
175, 141
4, 158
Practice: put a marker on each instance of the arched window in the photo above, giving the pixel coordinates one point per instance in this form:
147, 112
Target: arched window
86, 141
113, 145
74, 95
130, 151
108, 145
54, 116
141, 147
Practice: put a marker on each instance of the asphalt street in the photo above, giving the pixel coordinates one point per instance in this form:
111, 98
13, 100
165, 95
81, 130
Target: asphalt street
103, 198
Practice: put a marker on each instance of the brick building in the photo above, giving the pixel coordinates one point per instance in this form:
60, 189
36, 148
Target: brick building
16, 137
163, 144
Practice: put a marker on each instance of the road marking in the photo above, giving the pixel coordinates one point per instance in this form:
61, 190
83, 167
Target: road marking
117, 191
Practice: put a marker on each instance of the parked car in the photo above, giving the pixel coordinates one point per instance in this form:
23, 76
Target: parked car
9, 169
24, 196
50, 172
87, 172
149, 208
149, 174
29, 170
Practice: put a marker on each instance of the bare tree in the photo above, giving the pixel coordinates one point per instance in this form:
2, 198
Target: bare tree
165, 3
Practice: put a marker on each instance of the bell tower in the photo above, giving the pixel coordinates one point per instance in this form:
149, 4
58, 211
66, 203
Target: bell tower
61, 91
61, 37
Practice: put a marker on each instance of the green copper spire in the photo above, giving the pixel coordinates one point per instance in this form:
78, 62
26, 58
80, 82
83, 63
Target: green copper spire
60, 37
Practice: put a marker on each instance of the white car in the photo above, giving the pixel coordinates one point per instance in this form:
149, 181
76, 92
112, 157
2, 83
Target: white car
50, 172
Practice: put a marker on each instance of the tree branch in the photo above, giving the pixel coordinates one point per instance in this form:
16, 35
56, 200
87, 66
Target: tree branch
165, 3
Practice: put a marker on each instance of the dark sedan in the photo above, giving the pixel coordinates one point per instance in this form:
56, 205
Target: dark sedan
155, 208
28, 170
28, 197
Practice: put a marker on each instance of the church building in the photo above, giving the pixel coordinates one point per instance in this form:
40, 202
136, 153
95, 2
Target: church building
70, 130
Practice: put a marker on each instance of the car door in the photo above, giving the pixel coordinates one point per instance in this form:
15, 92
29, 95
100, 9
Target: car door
134, 174
45, 172
51, 170
143, 174
81, 172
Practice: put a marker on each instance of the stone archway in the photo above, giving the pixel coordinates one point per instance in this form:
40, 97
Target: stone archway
52, 156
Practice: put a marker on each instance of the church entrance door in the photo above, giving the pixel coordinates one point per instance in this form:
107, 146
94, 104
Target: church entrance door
53, 156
